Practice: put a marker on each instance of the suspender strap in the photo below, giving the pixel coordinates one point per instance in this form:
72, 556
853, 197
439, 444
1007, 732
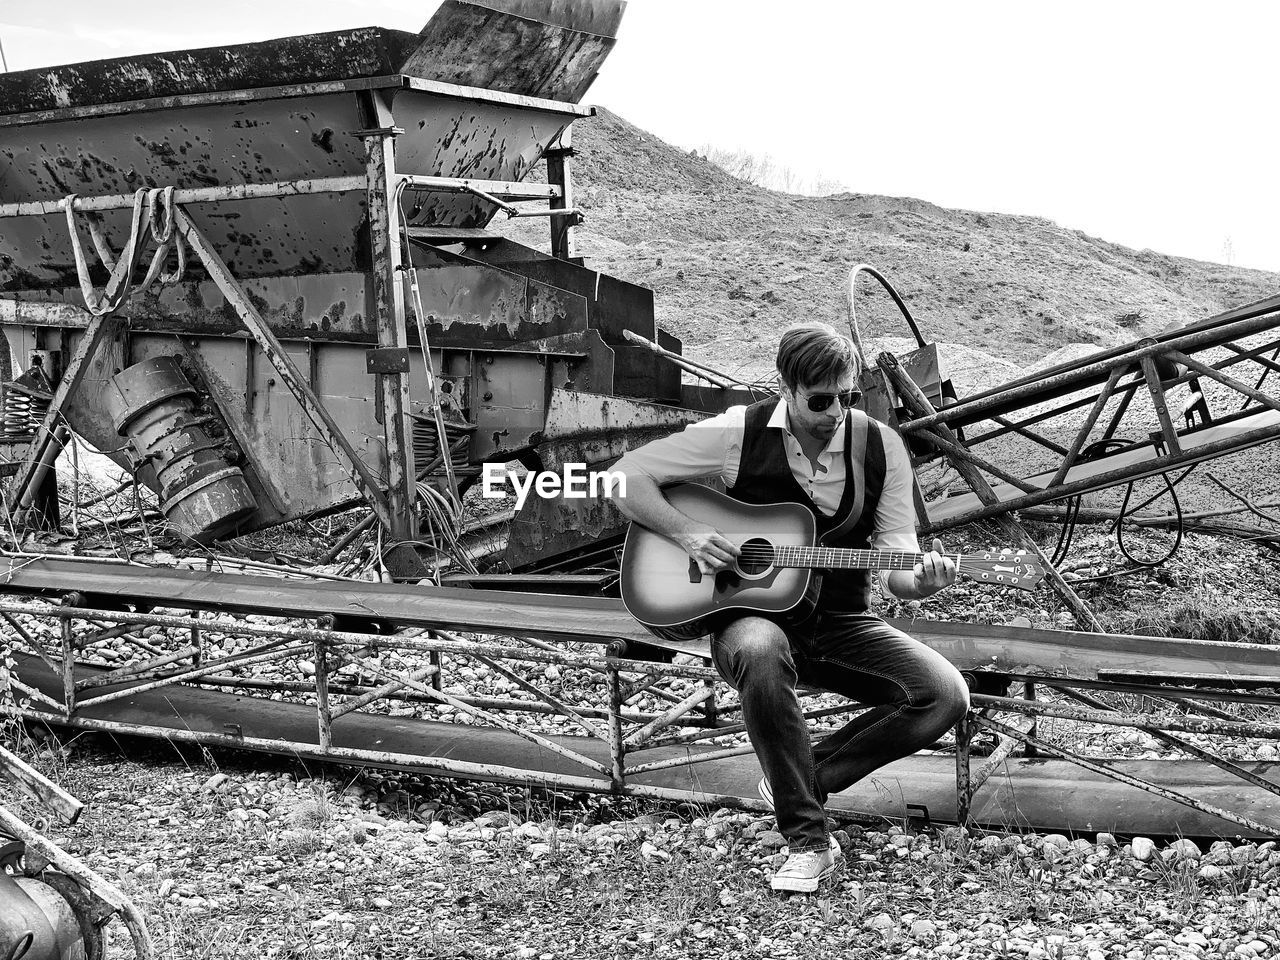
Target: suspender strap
856, 426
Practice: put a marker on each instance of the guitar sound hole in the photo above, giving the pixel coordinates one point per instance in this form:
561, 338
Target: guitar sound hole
756, 558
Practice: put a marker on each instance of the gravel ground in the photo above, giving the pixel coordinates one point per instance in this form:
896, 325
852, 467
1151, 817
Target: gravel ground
272, 861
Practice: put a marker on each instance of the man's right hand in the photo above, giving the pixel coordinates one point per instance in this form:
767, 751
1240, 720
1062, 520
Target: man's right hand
709, 549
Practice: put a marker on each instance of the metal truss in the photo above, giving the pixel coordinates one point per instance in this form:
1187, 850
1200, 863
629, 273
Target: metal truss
353, 671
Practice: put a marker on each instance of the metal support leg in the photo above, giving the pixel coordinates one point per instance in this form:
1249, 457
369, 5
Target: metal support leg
617, 748
437, 678
197, 641
69, 656
388, 310
1029, 691
964, 795
68, 666
324, 716
563, 244
710, 708
1161, 403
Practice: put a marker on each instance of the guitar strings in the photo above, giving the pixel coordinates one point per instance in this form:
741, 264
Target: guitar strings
807, 555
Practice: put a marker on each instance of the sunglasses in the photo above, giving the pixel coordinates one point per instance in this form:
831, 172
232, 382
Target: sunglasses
821, 401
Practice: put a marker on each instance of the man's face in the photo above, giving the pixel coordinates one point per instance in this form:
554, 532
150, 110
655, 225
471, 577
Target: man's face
820, 425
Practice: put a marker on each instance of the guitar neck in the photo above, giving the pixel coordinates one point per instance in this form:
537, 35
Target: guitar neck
839, 558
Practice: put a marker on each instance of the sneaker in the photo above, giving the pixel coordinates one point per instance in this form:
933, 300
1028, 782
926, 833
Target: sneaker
802, 872
765, 791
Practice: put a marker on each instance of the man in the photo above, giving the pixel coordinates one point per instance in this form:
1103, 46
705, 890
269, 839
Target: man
812, 448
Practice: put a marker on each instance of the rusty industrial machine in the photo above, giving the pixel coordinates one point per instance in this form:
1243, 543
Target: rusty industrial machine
272, 281
253, 214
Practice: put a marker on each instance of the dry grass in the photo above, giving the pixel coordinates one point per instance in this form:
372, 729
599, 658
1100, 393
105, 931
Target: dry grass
1199, 620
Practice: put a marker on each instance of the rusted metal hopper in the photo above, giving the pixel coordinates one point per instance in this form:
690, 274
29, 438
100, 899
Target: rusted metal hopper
276, 112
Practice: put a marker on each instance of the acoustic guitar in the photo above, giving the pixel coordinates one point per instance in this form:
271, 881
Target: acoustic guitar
664, 589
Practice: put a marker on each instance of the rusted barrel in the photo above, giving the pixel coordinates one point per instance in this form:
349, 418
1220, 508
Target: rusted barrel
202, 494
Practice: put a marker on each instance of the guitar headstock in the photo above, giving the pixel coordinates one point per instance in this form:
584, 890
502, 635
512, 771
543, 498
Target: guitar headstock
1006, 568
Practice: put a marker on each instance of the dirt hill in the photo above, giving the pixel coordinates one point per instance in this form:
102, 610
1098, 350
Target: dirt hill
731, 262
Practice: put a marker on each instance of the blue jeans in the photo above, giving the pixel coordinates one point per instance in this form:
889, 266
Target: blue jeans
915, 694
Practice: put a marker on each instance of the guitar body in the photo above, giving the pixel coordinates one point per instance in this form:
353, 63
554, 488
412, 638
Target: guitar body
659, 591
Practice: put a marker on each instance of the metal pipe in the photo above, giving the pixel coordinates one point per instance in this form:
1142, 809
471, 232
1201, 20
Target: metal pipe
308, 634
35, 694
35, 783
494, 190
1159, 465
377, 693
700, 370
992, 761
1120, 686
134, 671
324, 716
1104, 395
220, 194
963, 453
29, 641
1214, 374
682, 761
187, 675
1190, 725
559, 706
457, 704
675, 713
617, 745
725, 729
1251, 323
1020, 429
55, 440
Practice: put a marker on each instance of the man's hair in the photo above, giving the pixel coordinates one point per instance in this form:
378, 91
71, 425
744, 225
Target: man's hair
810, 353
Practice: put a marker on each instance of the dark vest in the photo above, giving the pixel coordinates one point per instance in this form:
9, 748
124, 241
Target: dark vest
764, 476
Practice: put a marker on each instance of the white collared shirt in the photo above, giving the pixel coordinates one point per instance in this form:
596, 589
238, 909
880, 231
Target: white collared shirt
713, 448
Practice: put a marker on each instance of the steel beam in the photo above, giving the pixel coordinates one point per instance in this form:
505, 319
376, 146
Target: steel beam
383, 224
1230, 326
189, 195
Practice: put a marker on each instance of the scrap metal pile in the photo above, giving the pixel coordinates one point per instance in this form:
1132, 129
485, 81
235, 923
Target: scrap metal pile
269, 282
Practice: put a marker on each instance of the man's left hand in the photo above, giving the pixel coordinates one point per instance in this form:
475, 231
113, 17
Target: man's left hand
934, 572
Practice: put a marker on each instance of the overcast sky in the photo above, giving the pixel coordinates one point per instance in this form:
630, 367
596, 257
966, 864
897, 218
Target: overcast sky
1148, 124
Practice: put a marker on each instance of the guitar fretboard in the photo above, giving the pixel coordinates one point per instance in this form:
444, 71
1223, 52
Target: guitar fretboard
845, 559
